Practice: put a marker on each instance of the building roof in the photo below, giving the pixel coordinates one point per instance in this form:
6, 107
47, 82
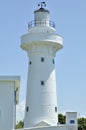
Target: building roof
41, 10
16, 80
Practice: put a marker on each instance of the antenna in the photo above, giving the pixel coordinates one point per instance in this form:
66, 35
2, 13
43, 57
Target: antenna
42, 4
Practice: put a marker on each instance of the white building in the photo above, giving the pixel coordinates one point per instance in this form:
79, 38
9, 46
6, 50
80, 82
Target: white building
9, 97
41, 44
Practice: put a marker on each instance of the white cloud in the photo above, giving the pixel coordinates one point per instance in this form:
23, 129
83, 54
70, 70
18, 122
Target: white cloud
20, 110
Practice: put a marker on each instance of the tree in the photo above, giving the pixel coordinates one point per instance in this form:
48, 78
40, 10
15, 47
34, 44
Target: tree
61, 119
81, 123
20, 125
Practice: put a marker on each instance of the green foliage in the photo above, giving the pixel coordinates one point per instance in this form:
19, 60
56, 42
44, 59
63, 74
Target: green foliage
61, 119
82, 124
20, 125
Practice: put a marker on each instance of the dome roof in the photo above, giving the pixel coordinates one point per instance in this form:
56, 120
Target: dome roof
41, 10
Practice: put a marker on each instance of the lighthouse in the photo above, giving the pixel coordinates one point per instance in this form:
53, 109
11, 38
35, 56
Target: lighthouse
41, 44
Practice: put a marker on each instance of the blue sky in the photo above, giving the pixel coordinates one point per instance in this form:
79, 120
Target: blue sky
70, 19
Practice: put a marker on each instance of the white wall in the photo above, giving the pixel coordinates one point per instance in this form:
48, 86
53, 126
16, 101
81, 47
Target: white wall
41, 99
71, 118
6, 105
60, 127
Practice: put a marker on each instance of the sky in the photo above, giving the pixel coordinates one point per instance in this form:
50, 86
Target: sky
70, 62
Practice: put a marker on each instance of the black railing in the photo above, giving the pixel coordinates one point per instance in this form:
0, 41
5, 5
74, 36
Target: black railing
41, 23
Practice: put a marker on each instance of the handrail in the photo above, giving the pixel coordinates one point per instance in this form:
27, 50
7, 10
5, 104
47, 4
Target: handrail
41, 23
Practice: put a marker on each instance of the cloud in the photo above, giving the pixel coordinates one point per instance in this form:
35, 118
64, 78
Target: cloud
20, 110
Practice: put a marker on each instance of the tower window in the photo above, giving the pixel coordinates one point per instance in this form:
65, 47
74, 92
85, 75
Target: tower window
27, 109
42, 59
53, 61
55, 109
30, 63
72, 121
42, 82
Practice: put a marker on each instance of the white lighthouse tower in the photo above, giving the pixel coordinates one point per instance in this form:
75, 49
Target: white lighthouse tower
41, 43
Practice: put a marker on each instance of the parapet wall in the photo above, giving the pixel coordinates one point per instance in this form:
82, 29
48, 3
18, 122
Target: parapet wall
59, 127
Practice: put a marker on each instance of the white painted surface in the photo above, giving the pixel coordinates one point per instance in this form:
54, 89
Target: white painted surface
41, 100
41, 17
8, 86
42, 29
71, 118
59, 127
16, 80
